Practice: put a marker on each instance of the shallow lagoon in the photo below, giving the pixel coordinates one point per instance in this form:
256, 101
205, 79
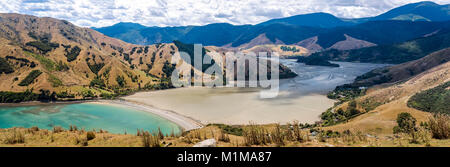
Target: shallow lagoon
302, 98
113, 118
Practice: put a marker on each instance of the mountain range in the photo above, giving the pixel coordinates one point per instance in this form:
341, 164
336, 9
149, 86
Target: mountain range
394, 53
397, 25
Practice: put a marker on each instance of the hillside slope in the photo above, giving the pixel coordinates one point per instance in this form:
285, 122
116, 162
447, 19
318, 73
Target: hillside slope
389, 101
403, 71
392, 54
76, 62
421, 11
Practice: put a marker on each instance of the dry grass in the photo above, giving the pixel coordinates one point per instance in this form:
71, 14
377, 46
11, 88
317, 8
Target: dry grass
439, 125
273, 135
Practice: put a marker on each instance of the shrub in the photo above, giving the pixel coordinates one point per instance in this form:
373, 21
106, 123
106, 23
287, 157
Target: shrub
43, 46
149, 140
160, 134
234, 130
168, 69
121, 81
88, 94
287, 49
90, 135
98, 82
255, 135
5, 67
57, 129
15, 137
439, 126
34, 128
46, 96
14, 97
30, 78
62, 66
95, 68
277, 136
406, 123
223, 137
435, 100
73, 54
127, 57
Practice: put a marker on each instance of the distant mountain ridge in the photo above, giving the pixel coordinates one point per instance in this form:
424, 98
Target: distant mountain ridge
425, 11
291, 30
322, 20
393, 54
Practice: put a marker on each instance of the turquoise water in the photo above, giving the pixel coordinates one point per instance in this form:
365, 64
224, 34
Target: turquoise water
114, 119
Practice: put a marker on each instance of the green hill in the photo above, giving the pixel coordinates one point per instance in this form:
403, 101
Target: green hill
435, 100
391, 54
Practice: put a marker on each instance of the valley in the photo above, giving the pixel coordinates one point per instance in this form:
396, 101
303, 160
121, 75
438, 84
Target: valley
360, 82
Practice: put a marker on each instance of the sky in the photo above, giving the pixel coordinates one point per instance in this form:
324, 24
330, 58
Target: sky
100, 13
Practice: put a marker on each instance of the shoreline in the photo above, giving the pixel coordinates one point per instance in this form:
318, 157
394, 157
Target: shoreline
218, 112
185, 123
34, 103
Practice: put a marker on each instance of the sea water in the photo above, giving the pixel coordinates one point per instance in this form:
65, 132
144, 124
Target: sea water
114, 119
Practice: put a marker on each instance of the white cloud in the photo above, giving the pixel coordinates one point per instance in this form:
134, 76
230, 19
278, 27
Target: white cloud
99, 13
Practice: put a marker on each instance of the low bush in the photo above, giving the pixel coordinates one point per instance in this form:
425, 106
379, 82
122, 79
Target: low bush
58, 129
15, 137
73, 53
5, 67
43, 46
233, 130
98, 82
90, 135
150, 140
17, 97
435, 100
406, 123
30, 78
439, 126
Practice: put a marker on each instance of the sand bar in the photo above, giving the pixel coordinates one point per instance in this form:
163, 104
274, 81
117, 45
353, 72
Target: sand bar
184, 122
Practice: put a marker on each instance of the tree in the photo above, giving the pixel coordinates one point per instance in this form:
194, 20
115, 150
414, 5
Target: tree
406, 123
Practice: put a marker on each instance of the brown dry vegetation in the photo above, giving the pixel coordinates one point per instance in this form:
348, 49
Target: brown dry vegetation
388, 101
273, 135
99, 57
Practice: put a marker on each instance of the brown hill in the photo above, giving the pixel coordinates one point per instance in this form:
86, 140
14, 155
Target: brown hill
403, 71
384, 103
260, 40
73, 59
310, 44
351, 43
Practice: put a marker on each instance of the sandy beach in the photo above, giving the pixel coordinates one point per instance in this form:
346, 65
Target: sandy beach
184, 122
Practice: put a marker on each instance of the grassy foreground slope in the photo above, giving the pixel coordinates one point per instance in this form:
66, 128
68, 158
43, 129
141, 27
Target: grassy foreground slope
380, 106
272, 135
